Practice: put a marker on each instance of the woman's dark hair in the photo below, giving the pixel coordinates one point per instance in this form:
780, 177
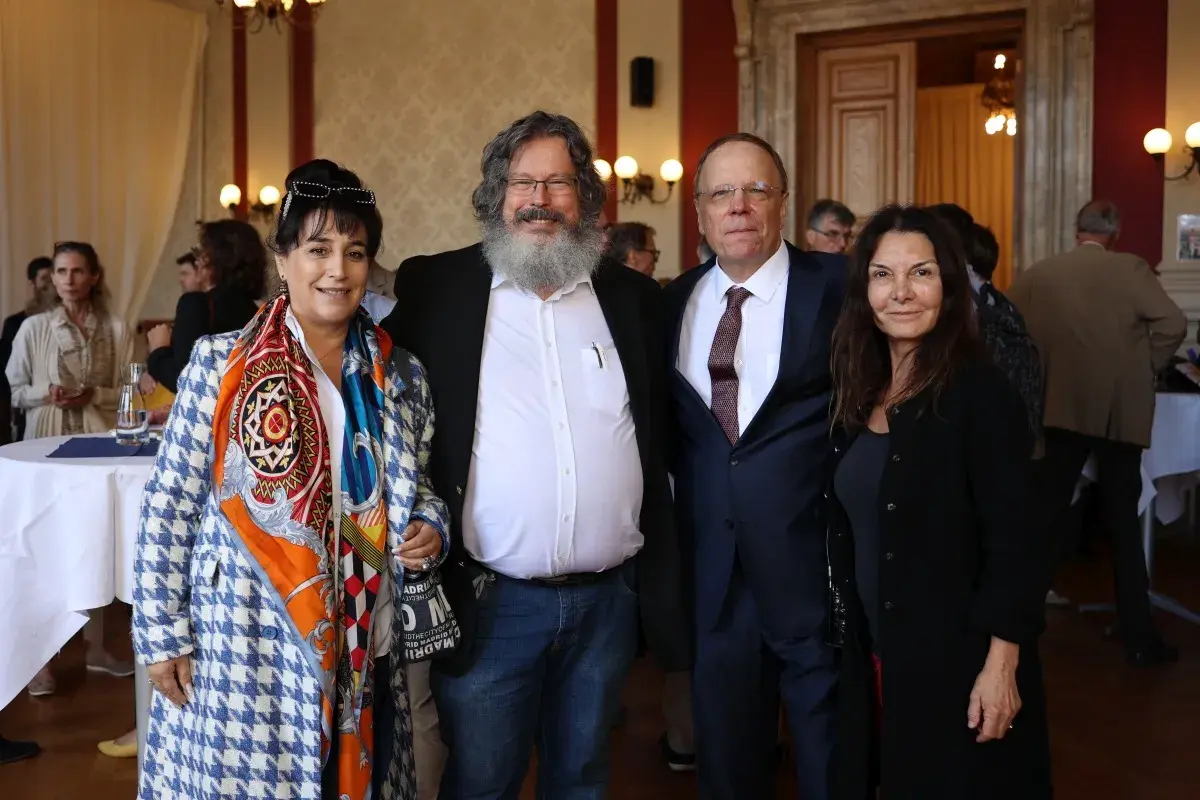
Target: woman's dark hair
332, 193
985, 251
488, 197
37, 265
860, 359
236, 256
99, 296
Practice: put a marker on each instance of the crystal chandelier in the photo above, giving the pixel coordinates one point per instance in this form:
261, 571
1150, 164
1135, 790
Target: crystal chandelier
269, 12
998, 99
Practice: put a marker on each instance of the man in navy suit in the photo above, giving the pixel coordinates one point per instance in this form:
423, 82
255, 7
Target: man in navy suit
750, 332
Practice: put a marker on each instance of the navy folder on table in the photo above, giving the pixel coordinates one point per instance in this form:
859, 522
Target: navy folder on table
101, 447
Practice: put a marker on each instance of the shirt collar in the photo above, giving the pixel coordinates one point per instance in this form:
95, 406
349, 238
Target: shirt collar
297, 331
586, 280
765, 280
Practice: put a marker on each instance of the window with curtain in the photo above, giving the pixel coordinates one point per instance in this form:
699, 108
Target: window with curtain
958, 162
96, 101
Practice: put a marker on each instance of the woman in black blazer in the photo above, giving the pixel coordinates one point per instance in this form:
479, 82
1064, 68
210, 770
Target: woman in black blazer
937, 563
232, 258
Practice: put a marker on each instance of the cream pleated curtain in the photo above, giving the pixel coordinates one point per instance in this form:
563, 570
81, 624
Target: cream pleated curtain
958, 162
96, 100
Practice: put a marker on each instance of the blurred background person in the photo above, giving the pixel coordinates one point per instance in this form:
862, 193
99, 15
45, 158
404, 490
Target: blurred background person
632, 244
226, 278
830, 227
192, 278
1104, 326
65, 373
40, 297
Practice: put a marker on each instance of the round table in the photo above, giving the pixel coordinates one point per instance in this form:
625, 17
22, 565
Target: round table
67, 545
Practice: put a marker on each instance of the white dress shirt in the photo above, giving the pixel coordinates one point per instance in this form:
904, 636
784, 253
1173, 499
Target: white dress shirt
555, 485
377, 305
756, 357
333, 414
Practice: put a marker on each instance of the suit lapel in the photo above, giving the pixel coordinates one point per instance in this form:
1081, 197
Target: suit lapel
805, 291
461, 405
678, 312
623, 315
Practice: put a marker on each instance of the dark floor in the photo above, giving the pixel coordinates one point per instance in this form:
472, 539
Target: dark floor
1119, 734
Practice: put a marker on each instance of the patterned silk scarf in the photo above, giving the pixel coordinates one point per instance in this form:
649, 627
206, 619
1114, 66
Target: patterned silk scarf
272, 467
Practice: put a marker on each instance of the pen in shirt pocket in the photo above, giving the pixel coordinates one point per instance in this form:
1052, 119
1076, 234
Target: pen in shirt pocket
600, 361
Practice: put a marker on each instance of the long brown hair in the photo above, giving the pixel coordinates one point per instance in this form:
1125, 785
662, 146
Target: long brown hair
861, 363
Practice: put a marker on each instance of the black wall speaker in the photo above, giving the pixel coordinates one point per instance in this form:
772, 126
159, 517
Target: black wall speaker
641, 82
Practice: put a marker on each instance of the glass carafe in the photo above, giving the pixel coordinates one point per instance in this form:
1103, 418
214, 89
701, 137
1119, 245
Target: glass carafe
133, 421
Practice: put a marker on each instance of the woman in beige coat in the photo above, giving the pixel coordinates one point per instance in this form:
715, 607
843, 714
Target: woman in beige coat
65, 374
66, 363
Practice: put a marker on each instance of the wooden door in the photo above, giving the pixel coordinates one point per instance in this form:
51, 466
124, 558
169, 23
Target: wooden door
865, 106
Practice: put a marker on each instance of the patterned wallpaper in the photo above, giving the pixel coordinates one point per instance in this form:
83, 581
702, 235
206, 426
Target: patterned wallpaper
408, 93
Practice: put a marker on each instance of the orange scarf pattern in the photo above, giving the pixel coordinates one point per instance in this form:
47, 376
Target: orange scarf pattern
272, 468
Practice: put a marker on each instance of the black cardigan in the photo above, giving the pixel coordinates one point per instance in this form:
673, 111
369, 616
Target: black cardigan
963, 559
198, 314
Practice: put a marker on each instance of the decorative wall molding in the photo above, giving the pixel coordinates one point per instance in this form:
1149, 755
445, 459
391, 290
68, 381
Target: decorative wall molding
1055, 137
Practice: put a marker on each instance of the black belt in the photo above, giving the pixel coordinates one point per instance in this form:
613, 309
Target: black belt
575, 578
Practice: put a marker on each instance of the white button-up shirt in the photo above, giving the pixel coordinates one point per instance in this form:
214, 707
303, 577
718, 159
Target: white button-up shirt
555, 485
333, 414
756, 357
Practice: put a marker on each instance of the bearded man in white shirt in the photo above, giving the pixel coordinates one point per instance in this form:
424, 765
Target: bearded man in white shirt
546, 366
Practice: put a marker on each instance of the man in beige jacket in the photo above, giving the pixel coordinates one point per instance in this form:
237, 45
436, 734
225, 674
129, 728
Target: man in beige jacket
1104, 326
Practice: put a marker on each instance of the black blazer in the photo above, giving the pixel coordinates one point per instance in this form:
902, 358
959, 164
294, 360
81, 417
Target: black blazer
760, 501
198, 314
439, 317
962, 559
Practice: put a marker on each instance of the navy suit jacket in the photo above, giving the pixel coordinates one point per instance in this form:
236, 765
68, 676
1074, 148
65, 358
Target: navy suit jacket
761, 500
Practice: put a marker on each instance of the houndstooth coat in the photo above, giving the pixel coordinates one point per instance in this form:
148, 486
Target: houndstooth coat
253, 727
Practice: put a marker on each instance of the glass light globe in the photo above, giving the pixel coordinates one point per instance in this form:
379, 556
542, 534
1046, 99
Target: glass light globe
245, 3
603, 169
625, 167
231, 195
1011, 126
268, 195
1157, 141
1192, 135
1000, 61
671, 171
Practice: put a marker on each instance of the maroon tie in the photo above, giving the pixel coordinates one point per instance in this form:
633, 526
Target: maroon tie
720, 363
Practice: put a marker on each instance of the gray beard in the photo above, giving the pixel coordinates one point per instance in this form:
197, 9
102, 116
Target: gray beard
537, 264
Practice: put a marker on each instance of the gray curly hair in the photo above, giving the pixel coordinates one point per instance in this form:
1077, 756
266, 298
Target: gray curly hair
488, 197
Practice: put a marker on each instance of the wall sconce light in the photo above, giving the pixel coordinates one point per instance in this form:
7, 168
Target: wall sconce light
231, 196
1158, 143
268, 198
636, 185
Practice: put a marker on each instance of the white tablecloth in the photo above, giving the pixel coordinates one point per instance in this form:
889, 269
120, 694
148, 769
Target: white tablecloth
1171, 464
67, 537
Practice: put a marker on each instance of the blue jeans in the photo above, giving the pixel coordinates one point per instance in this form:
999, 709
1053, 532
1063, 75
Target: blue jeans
552, 660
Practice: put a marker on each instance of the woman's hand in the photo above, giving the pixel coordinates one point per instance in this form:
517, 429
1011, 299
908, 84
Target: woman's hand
421, 546
147, 384
995, 701
70, 398
173, 679
159, 336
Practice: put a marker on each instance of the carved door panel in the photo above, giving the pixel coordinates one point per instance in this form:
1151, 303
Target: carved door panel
865, 103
